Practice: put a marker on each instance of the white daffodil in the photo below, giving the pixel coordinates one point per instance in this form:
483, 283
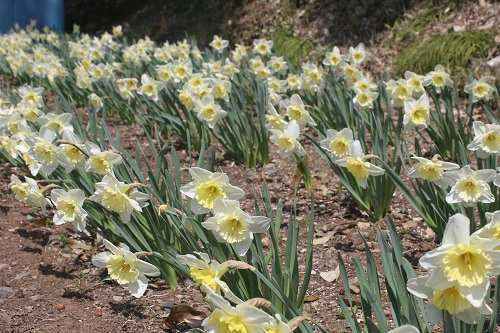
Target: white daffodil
150, 87
438, 78
262, 46
208, 111
219, 44
69, 207
208, 186
417, 112
448, 298
358, 55
492, 229
73, 150
480, 90
95, 101
232, 225
338, 143
416, 82
277, 65
203, 270
296, 110
278, 326
9, 145
239, 318
274, 121
125, 268
31, 97
99, 161
466, 262
286, 140
28, 192
364, 99
333, 58
431, 170
401, 90
42, 150
357, 165
119, 197
469, 187
56, 122
486, 139
221, 89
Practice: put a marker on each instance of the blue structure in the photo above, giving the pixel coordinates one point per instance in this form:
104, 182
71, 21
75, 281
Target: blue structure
48, 13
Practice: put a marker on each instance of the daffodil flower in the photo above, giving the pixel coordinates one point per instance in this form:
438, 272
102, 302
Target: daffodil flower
438, 78
208, 111
357, 165
463, 262
416, 82
69, 207
208, 186
278, 326
338, 143
262, 46
296, 110
44, 151
417, 112
73, 150
232, 225
333, 58
150, 87
486, 139
239, 318
99, 161
57, 122
286, 140
492, 229
219, 44
203, 270
28, 192
358, 55
31, 97
274, 121
448, 298
469, 187
119, 197
431, 170
125, 268
480, 90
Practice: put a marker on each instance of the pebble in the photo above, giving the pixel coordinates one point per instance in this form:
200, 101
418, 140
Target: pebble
2, 266
117, 298
60, 307
21, 275
6, 291
97, 313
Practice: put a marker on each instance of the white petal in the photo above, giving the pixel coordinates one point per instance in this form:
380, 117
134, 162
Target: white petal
139, 286
100, 259
147, 268
457, 230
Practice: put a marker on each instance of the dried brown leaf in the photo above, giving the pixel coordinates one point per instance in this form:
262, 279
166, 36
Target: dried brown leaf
258, 302
237, 265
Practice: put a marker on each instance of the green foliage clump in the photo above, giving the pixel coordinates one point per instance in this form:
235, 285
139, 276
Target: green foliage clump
455, 50
292, 48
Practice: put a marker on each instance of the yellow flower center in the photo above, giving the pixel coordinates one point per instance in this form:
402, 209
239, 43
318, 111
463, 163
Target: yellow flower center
218, 44
296, 112
467, 265
114, 200
469, 189
286, 142
438, 79
207, 113
480, 90
232, 229
207, 192
262, 48
334, 59
451, 300
121, 269
430, 171
46, 153
419, 114
415, 84
73, 154
68, 207
227, 323
491, 141
20, 191
403, 91
358, 56
363, 99
203, 276
181, 71
149, 89
357, 168
31, 99
186, 100
340, 146
100, 164
219, 91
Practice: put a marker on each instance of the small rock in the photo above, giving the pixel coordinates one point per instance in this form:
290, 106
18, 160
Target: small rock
2, 266
98, 313
35, 297
50, 311
19, 294
169, 304
21, 275
117, 298
6, 291
60, 307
